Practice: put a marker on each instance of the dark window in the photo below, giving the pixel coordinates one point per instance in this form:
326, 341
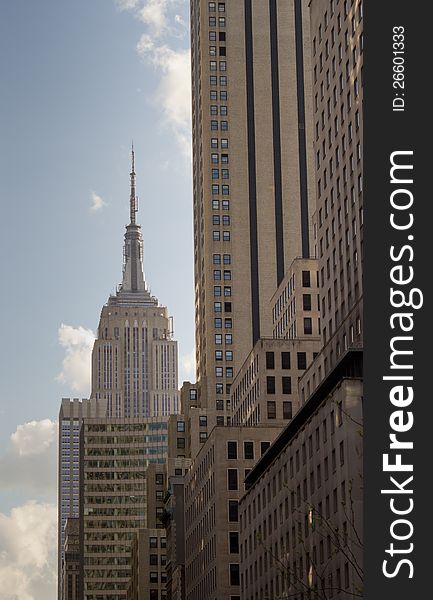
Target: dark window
285, 360
178, 471
270, 385
302, 360
227, 306
286, 385
232, 479
202, 421
153, 578
153, 559
233, 511
153, 542
248, 450
306, 282
234, 574
306, 300
233, 542
270, 360
159, 479
153, 594
181, 442
272, 410
232, 450
264, 446
287, 410
308, 326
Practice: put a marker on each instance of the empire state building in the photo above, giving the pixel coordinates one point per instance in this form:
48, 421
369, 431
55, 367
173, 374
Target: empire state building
134, 358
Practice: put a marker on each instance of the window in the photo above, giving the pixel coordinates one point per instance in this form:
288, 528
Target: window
232, 479
270, 360
248, 450
302, 360
234, 574
232, 450
227, 275
272, 410
217, 306
217, 290
202, 436
306, 301
226, 236
217, 259
264, 446
286, 385
227, 290
233, 511
228, 323
181, 425
227, 307
214, 143
270, 385
228, 338
153, 542
308, 326
159, 478
285, 360
287, 410
306, 279
153, 577
218, 338
202, 421
218, 371
229, 372
224, 143
217, 275
181, 443
233, 542
229, 355
227, 259
153, 559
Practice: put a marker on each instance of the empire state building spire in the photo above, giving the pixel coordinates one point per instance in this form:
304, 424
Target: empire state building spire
132, 290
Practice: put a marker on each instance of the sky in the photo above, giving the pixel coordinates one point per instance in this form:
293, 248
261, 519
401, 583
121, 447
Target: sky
79, 80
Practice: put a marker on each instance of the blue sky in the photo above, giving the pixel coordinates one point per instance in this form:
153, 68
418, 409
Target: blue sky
79, 80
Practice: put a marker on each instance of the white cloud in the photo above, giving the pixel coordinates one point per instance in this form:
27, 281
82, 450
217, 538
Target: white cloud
96, 202
165, 26
33, 437
187, 367
30, 461
126, 4
78, 344
173, 94
28, 552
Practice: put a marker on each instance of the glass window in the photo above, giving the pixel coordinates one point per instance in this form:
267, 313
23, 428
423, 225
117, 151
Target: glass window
285, 360
232, 479
233, 510
232, 450
181, 425
249, 450
270, 360
287, 410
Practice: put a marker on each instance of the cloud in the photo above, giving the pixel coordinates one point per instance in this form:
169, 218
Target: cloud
165, 28
173, 94
30, 462
97, 203
187, 367
76, 366
33, 437
28, 552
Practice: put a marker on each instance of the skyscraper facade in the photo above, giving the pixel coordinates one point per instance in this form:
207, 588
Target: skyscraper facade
71, 415
134, 359
337, 55
253, 173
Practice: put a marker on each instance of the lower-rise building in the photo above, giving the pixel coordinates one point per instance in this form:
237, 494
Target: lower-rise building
301, 516
148, 560
123, 479
213, 487
71, 561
